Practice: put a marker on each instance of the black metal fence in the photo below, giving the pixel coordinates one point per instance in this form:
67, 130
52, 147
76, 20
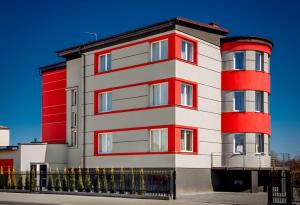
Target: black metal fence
147, 182
279, 187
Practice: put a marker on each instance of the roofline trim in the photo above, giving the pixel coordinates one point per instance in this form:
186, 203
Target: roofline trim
54, 66
255, 39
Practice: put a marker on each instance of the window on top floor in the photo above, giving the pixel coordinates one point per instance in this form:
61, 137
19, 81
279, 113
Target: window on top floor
187, 51
74, 97
239, 101
186, 94
159, 50
159, 140
104, 62
159, 94
239, 60
259, 61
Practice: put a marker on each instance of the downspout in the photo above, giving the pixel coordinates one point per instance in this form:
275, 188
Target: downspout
84, 110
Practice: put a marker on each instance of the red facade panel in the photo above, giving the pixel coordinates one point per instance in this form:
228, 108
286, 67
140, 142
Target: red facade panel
246, 122
246, 80
54, 106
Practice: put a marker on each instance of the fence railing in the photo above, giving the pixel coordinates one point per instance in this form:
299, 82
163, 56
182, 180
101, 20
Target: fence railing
155, 182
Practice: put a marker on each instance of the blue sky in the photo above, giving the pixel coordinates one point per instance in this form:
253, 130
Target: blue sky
31, 32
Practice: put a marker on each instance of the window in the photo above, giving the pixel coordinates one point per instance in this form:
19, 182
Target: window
259, 61
239, 101
105, 102
159, 140
259, 101
187, 51
239, 143
186, 142
74, 97
105, 143
105, 62
159, 94
73, 138
186, 94
159, 50
239, 61
259, 143
74, 119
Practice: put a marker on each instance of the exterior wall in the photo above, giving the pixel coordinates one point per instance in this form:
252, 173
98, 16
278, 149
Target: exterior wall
4, 137
54, 106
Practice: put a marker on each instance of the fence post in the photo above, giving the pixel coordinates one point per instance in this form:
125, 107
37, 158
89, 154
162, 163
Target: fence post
288, 188
270, 189
174, 184
30, 180
40, 181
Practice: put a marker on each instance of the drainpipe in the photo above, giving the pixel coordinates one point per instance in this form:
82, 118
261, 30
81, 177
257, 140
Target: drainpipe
84, 111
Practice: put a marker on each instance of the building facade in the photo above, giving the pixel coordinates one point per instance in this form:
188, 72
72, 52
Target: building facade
178, 94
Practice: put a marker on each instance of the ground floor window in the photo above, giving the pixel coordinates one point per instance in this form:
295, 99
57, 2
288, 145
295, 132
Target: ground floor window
159, 140
186, 142
105, 143
239, 143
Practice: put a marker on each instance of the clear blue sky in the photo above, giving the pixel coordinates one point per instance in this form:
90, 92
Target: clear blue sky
31, 32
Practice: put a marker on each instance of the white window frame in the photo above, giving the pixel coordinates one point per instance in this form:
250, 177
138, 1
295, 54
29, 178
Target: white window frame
100, 148
234, 61
106, 68
184, 99
185, 55
74, 97
261, 61
234, 101
100, 96
160, 94
185, 140
159, 50
160, 139
261, 101
257, 144
244, 145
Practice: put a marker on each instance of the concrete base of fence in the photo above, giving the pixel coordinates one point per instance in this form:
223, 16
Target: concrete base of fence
130, 196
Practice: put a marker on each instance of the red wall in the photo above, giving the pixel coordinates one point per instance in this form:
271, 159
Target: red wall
54, 106
7, 163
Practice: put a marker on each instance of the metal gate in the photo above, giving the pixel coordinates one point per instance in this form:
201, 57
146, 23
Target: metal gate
280, 189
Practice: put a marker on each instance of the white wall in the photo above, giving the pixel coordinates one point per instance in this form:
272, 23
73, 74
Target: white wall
4, 137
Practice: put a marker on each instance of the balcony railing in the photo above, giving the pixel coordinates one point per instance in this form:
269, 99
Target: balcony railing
249, 160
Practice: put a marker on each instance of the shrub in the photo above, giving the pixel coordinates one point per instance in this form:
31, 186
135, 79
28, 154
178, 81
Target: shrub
97, 185
1, 178
112, 180
50, 181
132, 187
142, 182
104, 181
80, 182
87, 181
65, 180
13, 179
122, 181
57, 181
33, 180
8, 178
20, 182
72, 180
27, 180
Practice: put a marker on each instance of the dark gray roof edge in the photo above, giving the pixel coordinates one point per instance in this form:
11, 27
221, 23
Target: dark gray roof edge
250, 38
8, 148
2, 127
149, 28
53, 66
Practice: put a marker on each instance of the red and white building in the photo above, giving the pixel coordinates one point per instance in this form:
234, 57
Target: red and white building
177, 94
